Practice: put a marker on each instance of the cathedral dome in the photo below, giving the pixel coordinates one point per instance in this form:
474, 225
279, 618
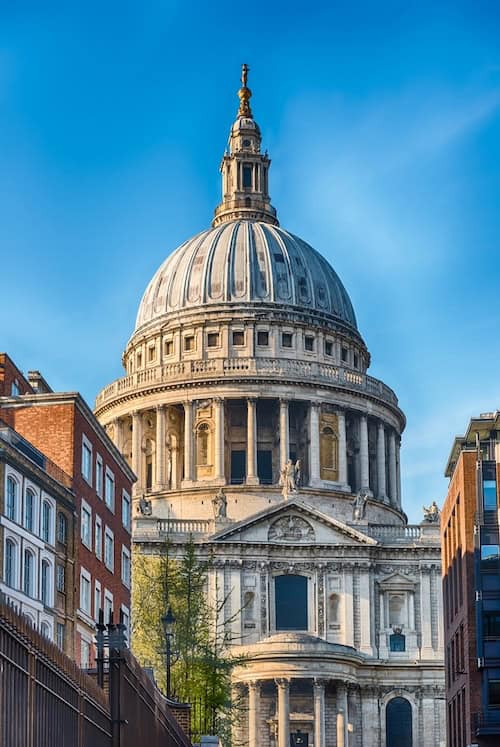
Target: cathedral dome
246, 262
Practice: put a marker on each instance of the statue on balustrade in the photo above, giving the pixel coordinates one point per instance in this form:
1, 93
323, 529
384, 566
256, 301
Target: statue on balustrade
145, 507
431, 514
359, 505
219, 503
288, 478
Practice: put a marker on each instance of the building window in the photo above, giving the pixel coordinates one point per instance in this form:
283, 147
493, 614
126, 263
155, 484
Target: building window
86, 525
490, 495
169, 347
238, 338
108, 606
309, 343
14, 389
62, 528
262, 338
126, 567
45, 583
12, 499
10, 563
60, 578
189, 342
46, 520
344, 354
109, 490
396, 609
109, 544
286, 340
494, 692
490, 556
99, 474
29, 568
290, 593
328, 347
397, 642
212, 339
98, 537
356, 360
60, 635
398, 723
202, 455
84, 654
139, 360
97, 599
126, 623
45, 630
29, 507
85, 591
491, 625
87, 460
126, 514
151, 354
247, 176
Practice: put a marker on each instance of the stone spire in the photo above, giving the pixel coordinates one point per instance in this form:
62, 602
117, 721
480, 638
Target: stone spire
245, 169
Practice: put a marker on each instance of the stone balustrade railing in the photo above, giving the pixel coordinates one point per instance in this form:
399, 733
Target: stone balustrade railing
405, 533
275, 368
184, 526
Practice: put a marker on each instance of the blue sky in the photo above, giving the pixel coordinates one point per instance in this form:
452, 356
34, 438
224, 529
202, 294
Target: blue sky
383, 123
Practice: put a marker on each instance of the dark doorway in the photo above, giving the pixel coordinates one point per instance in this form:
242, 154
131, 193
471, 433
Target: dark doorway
290, 594
398, 723
265, 467
238, 467
299, 739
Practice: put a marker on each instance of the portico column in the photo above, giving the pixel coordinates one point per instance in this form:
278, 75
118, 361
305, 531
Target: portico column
342, 716
219, 439
319, 713
136, 448
188, 441
392, 468
363, 453
283, 712
314, 449
253, 714
284, 431
381, 461
160, 446
118, 427
252, 478
398, 472
342, 448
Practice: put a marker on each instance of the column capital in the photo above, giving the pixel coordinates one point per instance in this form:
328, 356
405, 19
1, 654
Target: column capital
160, 407
254, 684
381, 425
284, 401
319, 683
315, 403
252, 400
282, 682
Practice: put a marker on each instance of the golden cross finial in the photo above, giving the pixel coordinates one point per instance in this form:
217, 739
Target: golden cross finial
244, 74
244, 94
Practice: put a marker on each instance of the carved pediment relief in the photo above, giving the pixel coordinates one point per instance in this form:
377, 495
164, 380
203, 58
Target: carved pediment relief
291, 528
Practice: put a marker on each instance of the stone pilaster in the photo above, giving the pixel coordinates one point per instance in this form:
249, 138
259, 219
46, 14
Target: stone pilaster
342, 449
382, 489
363, 453
393, 488
219, 440
319, 713
283, 686
252, 478
284, 433
253, 714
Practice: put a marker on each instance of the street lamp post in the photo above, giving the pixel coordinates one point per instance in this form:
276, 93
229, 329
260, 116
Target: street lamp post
168, 621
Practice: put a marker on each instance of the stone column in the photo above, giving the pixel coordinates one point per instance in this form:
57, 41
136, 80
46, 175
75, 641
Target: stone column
219, 439
342, 715
253, 714
381, 462
188, 441
319, 713
398, 471
160, 447
118, 426
283, 712
392, 469
363, 453
252, 478
284, 434
314, 448
136, 449
342, 449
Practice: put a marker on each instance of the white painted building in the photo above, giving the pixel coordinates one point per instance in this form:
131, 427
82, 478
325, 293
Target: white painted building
249, 417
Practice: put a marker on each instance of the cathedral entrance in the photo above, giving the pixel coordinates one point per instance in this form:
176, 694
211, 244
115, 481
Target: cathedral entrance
238, 467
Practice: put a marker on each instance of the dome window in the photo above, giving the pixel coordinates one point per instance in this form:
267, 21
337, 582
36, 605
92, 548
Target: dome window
328, 347
344, 354
309, 343
189, 342
213, 340
169, 347
286, 340
238, 338
262, 338
356, 360
151, 354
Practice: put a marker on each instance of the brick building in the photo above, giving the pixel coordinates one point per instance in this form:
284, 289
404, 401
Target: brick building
471, 585
65, 429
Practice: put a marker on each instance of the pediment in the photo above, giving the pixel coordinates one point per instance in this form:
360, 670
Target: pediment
397, 581
293, 522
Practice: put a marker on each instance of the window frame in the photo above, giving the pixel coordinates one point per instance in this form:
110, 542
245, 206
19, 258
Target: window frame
98, 542
86, 536
99, 475
109, 562
85, 576
126, 578
12, 509
109, 476
87, 467
126, 501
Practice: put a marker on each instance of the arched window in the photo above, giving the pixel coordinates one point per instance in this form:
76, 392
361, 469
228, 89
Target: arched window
62, 528
29, 507
328, 448
10, 563
45, 630
398, 723
46, 521
12, 498
333, 608
29, 567
290, 594
45, 582
202, 444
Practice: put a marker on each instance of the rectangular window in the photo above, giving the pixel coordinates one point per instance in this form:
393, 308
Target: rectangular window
126, 622
108, 606
344, 354
286, 340
151, 354
328, 347
126, 567
356, 360
490, 555
491, 625
247, 176
262, 338
309, 343
99, 476
109, 547
169, 347
489, 495
60, 635
109, 489
494, 692
98, 537
238, 338
46, 521
84, 654
189, 342
85, 591
60, 578
87, 460
139, 360
62, 528
97, 599
212, 339
126, 514
86, 525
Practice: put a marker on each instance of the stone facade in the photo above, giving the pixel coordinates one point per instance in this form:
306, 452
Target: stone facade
250, 420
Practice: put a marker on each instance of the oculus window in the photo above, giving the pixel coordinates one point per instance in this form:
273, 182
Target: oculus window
290, 594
